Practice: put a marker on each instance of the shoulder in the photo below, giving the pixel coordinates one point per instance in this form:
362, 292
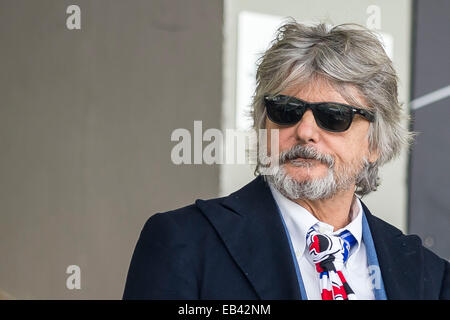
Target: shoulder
387, 231
384, 232
163, 265
180, 224
435, 270
408, 241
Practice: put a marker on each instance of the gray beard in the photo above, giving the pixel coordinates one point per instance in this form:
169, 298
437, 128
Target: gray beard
317, 188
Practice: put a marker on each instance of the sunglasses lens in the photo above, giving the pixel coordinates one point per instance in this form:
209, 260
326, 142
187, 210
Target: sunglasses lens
333, 117
284, 113
284, 110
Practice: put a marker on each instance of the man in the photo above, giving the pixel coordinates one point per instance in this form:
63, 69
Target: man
299, 231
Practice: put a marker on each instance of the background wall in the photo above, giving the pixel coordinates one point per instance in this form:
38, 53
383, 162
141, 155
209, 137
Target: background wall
85, 123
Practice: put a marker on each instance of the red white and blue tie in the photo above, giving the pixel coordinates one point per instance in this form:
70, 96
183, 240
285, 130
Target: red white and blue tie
329, 254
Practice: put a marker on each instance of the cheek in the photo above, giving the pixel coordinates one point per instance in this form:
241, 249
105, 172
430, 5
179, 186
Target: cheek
362, 141
357, 147
284, 136
350, 148
269, 127
285, 139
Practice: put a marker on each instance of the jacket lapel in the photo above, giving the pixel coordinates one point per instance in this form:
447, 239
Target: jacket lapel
400, 259
250, 226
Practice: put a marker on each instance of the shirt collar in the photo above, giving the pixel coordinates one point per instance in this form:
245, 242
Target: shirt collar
298, 221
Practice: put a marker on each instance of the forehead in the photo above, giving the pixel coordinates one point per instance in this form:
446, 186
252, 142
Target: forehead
320, 90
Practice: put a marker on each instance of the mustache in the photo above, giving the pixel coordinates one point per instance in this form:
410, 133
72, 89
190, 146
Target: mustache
306, 152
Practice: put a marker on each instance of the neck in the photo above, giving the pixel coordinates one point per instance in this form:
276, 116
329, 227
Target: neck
334, 211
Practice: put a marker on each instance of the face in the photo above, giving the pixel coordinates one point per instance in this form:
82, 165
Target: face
347, 150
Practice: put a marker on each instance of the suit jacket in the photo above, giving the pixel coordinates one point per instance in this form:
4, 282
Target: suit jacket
236, 248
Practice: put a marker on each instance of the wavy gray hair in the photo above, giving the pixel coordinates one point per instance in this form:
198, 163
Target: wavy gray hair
347, 55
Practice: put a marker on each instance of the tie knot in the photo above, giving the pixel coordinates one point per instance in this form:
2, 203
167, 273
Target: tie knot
329, 252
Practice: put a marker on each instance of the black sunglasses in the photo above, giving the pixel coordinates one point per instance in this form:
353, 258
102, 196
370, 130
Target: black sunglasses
330, 116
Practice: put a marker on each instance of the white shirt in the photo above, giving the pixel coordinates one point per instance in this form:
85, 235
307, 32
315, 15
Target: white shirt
298, 221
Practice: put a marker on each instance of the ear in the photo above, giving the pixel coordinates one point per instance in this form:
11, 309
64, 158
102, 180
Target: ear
373, 155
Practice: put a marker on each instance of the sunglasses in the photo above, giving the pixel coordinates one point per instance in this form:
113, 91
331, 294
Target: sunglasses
330, 116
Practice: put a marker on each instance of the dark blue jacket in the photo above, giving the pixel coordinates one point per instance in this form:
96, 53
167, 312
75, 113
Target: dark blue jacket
236, 248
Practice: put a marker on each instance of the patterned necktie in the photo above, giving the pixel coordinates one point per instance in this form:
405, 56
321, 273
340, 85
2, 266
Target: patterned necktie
329, 254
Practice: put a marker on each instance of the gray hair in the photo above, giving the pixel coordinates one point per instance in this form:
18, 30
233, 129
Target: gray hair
347, 55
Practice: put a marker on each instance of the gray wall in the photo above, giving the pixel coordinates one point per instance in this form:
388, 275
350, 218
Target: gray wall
429, 201
85, 124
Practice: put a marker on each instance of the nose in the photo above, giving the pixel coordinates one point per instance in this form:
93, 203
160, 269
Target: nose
306, 129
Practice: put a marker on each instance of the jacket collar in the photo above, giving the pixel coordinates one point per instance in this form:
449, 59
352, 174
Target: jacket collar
251, 228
